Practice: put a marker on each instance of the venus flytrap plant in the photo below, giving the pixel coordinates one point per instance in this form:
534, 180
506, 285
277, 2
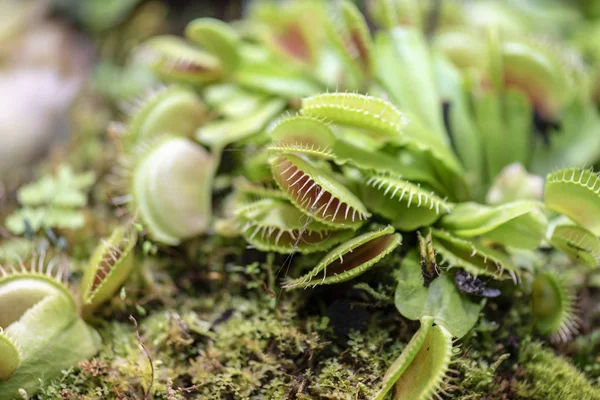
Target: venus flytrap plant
423, 368
302, 135
566, 185
406, 205
168, 183
439, 299
170, 109
290, 31
554, 307
41, 332
109, 266
581, 245
276, 225
218, 38
378, 118
350, 259
420, 154
349, 33
317, 193
474, 257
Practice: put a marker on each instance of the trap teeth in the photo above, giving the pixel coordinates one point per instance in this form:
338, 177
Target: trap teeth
350, 259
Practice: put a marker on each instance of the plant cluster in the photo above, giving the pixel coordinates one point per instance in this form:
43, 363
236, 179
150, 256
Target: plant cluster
405, 155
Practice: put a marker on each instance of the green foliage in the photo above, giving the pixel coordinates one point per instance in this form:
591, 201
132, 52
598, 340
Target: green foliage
440, 300
464, 106
54, 201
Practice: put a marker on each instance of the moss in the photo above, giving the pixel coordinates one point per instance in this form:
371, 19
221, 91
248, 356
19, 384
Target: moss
545, 375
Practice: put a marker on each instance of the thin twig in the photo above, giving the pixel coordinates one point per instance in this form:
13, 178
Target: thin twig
139, 339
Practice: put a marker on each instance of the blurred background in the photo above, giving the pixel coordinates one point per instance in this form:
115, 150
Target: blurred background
63, 63
54, 51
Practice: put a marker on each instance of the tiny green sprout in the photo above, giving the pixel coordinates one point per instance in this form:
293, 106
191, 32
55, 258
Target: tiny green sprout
175, 60
377, 117
429, 267
350, 259
472, 256
405, 204
276, 225
519, 224
578, 243
303, 135
317, 193
218, 38
169, 109
422, 368
41, 332
107, 269
575, 192
170, 187
554, 308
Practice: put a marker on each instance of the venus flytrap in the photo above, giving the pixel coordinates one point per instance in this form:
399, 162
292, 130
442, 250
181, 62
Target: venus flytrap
169, 182
108, 268
349, 34
581, 245
406, 205
566, 185
323, 179
474, 257
303, 135
377, 117
41, 332
218, 38
554, 307
350, 259
317, 193
439, 299
170, 109
175, 60
423, 367
276, 225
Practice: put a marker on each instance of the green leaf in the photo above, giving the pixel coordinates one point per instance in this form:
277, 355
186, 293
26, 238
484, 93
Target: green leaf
464, 133
519, 224
220, 133
42, 217
575, 192
66, 189
441, 300
578, 243
404, 69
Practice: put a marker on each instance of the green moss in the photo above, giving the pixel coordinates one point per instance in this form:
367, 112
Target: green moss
544, 376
